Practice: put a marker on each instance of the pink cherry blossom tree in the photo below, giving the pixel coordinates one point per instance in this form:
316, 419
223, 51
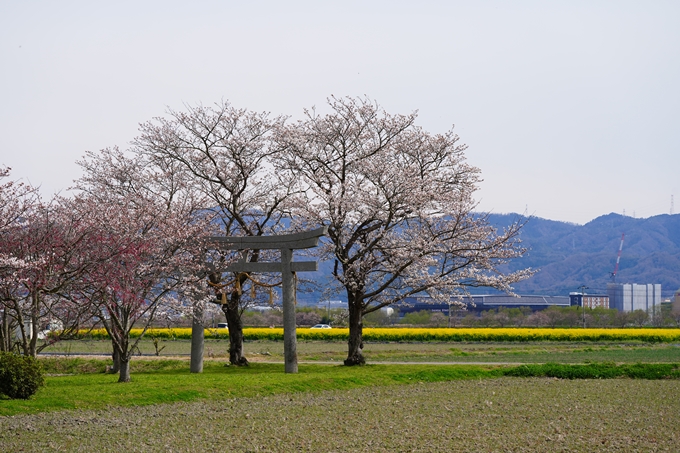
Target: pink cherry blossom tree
52, 249
398, 203
149, 234
44, 249
17, 200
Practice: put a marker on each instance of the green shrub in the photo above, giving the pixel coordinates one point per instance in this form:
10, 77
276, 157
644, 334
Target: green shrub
418, 318
597, 371
20, 376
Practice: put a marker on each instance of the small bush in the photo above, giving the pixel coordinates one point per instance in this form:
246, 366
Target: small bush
20, 376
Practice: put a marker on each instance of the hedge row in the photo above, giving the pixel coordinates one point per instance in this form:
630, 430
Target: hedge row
425, 334
597, 371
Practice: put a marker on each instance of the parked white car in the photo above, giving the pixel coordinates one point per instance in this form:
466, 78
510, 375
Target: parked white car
321, 326
52, 326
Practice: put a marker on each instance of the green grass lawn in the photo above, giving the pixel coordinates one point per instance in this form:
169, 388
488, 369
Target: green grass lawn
76, 383
170, 381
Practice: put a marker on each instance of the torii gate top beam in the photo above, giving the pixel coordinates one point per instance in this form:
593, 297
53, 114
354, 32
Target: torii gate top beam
304, 240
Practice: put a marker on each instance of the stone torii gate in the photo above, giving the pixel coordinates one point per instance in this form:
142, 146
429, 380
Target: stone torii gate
286, 243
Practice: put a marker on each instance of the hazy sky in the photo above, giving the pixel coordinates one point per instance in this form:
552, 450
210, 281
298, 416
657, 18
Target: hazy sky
570, 108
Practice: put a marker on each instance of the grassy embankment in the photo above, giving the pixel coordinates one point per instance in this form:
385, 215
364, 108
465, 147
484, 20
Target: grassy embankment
81, 384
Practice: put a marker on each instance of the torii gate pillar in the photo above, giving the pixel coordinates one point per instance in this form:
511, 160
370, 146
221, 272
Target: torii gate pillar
286, 244
289, 324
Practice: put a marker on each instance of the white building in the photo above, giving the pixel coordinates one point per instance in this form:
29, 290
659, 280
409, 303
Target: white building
631, 296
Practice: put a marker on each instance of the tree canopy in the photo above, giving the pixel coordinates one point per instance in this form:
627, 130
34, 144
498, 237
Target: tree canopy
398, 202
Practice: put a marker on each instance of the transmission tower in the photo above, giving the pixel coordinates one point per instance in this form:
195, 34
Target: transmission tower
672, 210
618, 258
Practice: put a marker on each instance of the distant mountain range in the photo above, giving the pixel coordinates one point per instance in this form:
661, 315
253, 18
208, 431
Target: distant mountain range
570, 255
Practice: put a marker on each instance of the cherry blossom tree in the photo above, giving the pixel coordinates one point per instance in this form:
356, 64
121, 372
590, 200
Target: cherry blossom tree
398, 203
149, 230
44, 250
52, 250
16, 201
225, 153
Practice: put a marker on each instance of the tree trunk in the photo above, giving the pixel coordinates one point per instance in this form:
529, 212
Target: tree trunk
23, 338
124, 369
233, 315
115, 368
5, 334
197, 340
33, 343
355, 343
35, 325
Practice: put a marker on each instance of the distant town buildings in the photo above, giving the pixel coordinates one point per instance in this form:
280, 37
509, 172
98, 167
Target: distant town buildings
624, 297
589, 300
632, 296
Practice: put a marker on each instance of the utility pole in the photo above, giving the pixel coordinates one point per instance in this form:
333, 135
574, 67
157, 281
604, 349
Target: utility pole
583, 305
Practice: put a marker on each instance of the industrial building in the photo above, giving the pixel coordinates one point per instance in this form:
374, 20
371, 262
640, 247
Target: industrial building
477, 304
631, 296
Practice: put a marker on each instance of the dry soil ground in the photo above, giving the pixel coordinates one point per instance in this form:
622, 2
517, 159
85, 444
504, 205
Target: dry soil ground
495, 415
